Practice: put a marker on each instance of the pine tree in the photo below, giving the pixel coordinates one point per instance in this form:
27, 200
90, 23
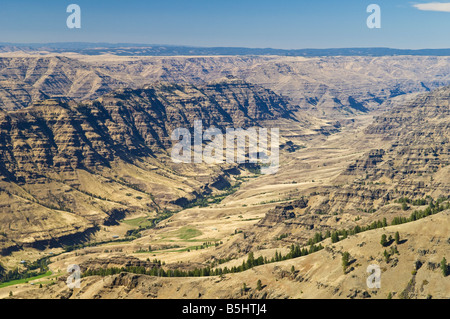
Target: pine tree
259, 261
258, 285
386, 256
2, 269
334, 237
345, 260
250, 260
444, 267
397, 238
318, 237
383, 240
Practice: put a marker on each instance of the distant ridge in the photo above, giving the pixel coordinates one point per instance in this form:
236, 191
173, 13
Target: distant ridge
133, 49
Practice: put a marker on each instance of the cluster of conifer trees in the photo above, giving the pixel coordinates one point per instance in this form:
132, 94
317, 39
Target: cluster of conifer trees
295, 250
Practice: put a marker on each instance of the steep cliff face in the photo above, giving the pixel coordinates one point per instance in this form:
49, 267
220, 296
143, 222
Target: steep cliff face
419, 136
227, 103
326, 86
124, 124
87, 163
27, 79
411, 161
415, 161
15, 95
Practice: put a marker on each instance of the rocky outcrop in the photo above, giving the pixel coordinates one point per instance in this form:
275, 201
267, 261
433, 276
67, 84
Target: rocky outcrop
116, 262
283, 212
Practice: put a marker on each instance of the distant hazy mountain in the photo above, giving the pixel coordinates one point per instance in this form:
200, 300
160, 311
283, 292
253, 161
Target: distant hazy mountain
168, 50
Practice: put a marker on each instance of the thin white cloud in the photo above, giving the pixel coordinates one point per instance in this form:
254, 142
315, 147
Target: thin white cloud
433, 6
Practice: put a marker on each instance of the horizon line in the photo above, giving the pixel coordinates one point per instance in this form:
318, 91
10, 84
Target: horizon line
212, 47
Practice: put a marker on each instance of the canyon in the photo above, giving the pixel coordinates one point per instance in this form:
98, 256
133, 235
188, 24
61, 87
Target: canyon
86, 175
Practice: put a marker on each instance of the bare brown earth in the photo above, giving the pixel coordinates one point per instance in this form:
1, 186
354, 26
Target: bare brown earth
413, 273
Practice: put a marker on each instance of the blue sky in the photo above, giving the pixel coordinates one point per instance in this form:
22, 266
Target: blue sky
286, 24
